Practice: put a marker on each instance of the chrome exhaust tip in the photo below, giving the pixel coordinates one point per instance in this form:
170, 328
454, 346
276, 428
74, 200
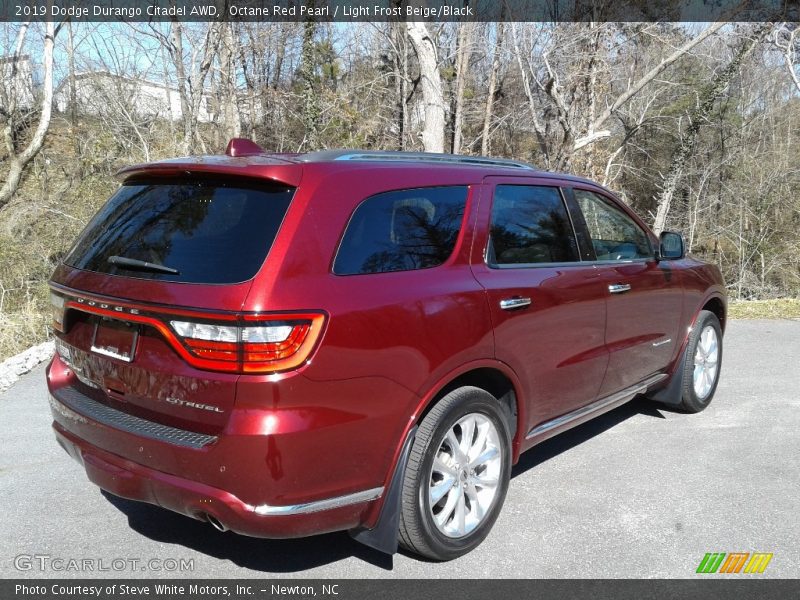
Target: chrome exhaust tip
215, 523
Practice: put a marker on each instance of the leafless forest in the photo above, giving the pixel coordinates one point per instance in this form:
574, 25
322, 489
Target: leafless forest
694, 125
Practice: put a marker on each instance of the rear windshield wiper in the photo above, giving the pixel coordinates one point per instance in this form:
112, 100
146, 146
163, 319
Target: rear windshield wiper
140, 265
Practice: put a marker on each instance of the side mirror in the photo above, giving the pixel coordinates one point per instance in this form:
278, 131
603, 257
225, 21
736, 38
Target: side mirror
671, 246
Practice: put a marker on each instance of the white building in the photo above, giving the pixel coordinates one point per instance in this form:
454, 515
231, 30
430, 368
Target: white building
97, 92
16, 81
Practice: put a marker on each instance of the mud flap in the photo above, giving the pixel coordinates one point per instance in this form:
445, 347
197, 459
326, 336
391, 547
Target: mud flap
672, 393
383, 537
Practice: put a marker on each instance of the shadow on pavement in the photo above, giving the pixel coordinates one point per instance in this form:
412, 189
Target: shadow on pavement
586, 431
291, 555
277, 556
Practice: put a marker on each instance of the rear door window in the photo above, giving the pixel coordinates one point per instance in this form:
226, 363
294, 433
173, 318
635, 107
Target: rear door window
402, 230
186, 231
530, 225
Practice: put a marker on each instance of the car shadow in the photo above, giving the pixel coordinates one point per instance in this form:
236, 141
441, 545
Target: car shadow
274, 556
292, 555
576, 436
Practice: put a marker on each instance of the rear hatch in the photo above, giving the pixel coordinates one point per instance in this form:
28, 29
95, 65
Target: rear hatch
146, 304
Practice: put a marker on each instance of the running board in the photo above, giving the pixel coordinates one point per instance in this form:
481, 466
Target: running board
598, 405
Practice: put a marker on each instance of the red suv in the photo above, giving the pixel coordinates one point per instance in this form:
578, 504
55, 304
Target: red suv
284, 345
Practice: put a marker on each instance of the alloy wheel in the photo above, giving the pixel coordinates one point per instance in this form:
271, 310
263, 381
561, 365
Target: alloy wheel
706, 361
464, 476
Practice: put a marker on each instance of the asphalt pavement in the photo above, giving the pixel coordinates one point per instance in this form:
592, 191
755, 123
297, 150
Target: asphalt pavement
639, 492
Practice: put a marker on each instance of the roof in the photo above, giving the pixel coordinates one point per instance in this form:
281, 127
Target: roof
387, 157
246, 158
408, 157
239, 147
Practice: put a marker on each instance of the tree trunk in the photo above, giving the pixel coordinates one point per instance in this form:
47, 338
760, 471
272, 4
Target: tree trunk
72, 92
398, 33
280, 53
176, 33
231, 119
311, 111
168, 96
462, 64
431, 83
486, 146
708, 96
788, 46
191, 88
538, 128
18, 161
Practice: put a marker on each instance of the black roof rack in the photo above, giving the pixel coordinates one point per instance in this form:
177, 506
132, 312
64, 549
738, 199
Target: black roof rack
427, 157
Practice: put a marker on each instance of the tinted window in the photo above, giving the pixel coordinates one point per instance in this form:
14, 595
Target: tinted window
402, 231
615, 236
530, 224
208, 232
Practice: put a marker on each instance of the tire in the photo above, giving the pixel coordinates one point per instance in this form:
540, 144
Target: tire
702, 363
473, 488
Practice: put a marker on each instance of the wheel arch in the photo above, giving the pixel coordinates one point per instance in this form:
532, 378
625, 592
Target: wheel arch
496, 378
671, 392
716, 306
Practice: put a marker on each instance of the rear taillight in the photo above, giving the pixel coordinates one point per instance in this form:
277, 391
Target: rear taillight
237, 343
257, 344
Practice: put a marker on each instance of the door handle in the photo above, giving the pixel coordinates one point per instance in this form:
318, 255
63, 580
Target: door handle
512, 303
619, 288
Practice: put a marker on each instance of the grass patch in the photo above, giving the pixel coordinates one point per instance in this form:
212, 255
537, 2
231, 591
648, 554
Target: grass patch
782, 308
19, 330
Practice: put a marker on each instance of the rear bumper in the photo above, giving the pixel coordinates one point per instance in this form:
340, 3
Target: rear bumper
130, 480
266, 474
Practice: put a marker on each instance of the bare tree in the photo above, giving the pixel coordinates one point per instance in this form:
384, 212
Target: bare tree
431, 84
71, 80
19, 159
594, 132
488, 111
787, 39
311, 113
191, 63
399, 42
567, 61
229, 105
707, 97
463, 54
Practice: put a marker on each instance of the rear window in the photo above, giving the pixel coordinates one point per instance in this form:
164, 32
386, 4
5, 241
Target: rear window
402, 230
187, 231
530, 225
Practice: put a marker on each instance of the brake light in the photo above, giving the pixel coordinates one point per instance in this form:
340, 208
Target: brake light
216, 341
260, 344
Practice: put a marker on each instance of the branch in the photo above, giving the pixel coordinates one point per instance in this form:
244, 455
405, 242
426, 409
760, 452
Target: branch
652, 74
591, 139
789, 54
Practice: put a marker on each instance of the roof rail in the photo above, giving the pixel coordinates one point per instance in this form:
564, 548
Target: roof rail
429, 157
